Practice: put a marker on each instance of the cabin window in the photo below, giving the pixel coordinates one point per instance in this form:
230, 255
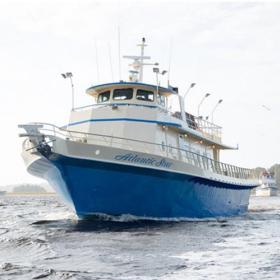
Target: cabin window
161, 100
103, 97
123, 94
145, 95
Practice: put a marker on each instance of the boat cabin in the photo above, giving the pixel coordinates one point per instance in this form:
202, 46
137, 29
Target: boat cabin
145, 117
148, 113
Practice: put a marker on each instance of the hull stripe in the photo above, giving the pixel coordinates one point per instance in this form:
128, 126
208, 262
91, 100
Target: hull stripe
125, 120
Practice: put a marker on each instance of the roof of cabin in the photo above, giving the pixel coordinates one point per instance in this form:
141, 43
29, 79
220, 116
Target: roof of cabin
98, 88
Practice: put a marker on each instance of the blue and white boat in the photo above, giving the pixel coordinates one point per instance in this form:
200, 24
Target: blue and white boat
129, 153
267, 185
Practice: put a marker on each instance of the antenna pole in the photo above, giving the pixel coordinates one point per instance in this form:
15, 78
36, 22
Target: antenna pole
214, 109
200, 103
72, 87
169, 64
141, 60
157, 82
70, 75
97, 64
110, 60
138, 63
119, 45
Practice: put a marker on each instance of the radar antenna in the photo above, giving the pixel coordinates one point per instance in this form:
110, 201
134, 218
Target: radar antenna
136, 74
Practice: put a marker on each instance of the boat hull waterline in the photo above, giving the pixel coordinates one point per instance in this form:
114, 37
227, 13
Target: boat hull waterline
95, 187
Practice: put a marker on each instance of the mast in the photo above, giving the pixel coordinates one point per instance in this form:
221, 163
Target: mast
143, 45
136, 74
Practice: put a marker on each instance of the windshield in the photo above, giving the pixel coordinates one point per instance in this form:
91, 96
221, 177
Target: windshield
145, 95
123, 94
103, 97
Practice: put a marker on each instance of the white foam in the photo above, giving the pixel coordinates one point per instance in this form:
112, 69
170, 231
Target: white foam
63, 215
132, 218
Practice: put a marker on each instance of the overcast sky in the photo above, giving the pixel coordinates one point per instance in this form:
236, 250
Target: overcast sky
230, 49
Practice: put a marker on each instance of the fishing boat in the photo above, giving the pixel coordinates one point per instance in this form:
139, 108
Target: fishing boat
268, 186
130, 152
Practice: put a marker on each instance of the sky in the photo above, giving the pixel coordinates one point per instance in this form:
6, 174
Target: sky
230, 49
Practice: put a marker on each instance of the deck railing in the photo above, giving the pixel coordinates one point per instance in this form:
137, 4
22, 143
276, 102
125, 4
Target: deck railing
50, 132
208, 129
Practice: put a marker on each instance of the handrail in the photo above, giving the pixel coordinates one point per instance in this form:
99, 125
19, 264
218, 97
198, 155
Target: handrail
208, 128
207, 123
191, 157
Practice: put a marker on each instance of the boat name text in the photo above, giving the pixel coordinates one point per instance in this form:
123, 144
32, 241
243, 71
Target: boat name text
133, 158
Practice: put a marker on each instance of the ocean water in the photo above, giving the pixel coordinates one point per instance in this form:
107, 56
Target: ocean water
41, 239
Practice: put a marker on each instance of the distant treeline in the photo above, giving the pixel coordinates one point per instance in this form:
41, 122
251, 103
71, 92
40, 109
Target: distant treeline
28, 188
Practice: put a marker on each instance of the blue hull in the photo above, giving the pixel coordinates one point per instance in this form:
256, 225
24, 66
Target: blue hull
114, 189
